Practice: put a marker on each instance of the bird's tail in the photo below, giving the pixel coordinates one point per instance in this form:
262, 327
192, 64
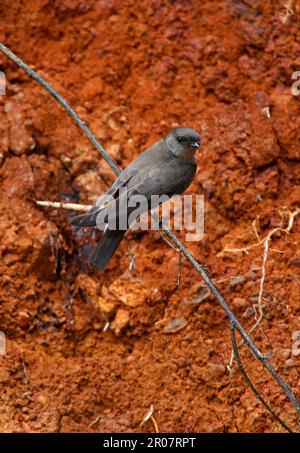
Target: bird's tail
106, 248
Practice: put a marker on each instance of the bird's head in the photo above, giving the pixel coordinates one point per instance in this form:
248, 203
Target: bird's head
183, 142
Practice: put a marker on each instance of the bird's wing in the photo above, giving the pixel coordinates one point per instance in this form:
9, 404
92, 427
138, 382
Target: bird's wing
154, 172
170, 178
139, 165
105, 200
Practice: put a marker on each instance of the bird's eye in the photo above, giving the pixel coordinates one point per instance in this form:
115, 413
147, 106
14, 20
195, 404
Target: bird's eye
180, 139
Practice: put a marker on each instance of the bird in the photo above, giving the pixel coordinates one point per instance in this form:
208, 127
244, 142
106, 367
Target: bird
165, 168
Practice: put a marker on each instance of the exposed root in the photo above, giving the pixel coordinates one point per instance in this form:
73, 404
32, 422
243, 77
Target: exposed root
258, 307
149, 416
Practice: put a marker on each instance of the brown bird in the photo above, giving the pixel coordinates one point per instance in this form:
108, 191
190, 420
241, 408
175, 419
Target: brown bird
166, 168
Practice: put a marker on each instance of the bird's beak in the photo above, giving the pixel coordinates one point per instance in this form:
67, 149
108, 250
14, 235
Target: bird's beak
195, 145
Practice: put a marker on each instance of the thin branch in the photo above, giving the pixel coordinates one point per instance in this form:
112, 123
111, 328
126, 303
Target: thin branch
201, 269
69, 206
65, 105
175, 249
248, 380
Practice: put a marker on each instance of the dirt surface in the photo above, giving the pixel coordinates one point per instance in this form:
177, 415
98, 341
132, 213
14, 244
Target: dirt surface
133, 72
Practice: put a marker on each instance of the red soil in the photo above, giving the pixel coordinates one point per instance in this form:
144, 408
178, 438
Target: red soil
133, 72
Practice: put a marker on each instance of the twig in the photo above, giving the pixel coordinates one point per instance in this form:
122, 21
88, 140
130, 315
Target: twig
253, 224
149, 416
69, 206
199, 268
65, 105
95, 421
177, 250
106, 326
26, 377
155, 424
232, 277
248, 380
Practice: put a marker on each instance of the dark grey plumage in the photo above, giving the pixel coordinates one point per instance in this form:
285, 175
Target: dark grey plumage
166, 168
